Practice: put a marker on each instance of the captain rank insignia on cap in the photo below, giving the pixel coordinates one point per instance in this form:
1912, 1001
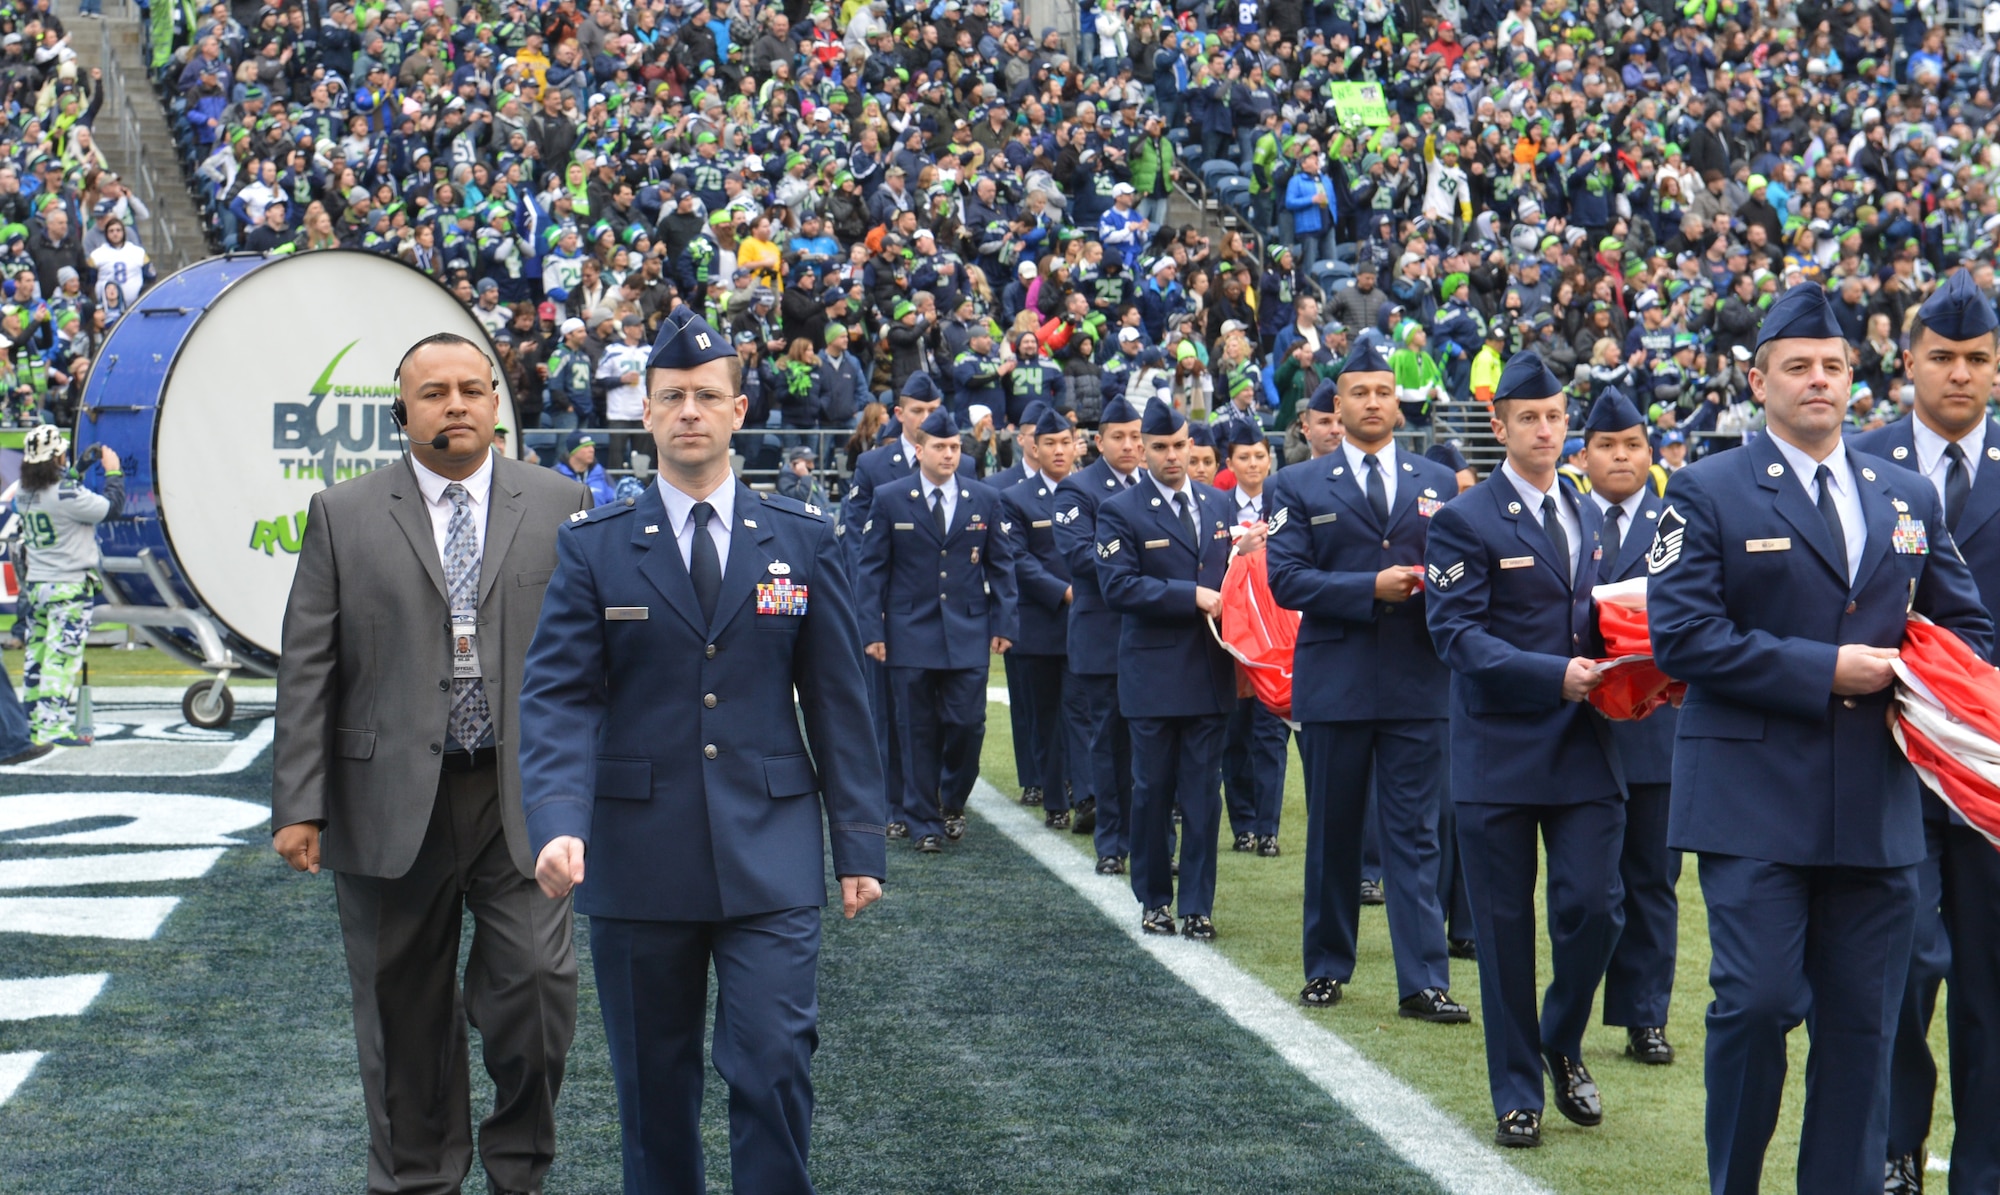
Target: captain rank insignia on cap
1667, 542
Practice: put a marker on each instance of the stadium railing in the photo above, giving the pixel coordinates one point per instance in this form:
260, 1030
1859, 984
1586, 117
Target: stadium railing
155, 233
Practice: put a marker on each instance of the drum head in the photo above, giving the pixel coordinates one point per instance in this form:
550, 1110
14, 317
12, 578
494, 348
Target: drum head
283, 388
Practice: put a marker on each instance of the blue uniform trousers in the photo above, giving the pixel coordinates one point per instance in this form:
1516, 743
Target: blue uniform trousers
652, 984
1037, 685
1371, 840
1585, 907
1451, 876
1788, 944
1253, 768
1639, 983
941, 725
887, 742
1108, 762
1406, 762
1175, 762
1957, 938
1021, 717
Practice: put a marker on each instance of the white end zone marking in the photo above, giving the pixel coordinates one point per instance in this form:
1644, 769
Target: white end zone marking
133, 918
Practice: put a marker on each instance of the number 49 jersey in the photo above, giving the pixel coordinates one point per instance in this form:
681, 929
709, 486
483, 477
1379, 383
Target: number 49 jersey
59, 527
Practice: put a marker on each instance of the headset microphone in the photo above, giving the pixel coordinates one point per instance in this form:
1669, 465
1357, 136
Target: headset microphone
401, 411
440, 442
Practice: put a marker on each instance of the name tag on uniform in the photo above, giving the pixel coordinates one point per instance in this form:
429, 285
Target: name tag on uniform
1040, 523
1909, 537
1326, 518
1157, 543
626, 613
781, 597
906, 526
1518, 562
1767, 545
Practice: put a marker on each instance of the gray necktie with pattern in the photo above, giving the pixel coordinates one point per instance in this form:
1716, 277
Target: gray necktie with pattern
471, 722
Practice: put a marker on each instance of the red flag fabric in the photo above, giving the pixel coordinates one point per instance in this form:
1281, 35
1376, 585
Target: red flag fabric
1258, 632
1632, 685
1948, 722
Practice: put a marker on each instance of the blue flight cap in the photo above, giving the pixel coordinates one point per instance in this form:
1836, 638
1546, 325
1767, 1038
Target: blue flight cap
1448, 455
1050, 422
1367, 357
1032, 413
1526, 376
921, 388
1957, 310
1118, 411
1161, 420
1612, 412
940, 424
1243, 432
686, 341
1322, 397
1200, 435
1801, 313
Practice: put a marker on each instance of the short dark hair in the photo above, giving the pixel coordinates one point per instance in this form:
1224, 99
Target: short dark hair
445, 338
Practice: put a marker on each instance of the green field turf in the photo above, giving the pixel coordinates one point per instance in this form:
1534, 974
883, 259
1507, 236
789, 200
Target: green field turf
1651, 1138
983, 1029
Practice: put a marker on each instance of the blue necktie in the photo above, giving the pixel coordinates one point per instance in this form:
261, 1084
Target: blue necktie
1957, 485
1378, 490
1831, 513
704, 566
471, 721
1557, 536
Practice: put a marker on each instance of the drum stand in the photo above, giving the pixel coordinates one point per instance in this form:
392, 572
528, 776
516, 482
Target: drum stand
207, 703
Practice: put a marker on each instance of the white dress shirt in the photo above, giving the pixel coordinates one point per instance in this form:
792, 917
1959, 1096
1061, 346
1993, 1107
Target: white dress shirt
1048, 481
479, 487
1249, 508
950, 491
1531, 498
909, 453
1846, 499
1357, 460
1931, 460
1630, 506
680, 517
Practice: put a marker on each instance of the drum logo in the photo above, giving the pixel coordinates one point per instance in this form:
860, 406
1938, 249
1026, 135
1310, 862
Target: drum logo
327, 442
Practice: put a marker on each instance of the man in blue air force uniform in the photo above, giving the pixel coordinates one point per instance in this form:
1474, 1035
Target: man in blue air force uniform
686, 635
1639, 983
1162, 549
934, 632
1102, 741
1346, 550
893, 461
1950, 440
1038, 686
1780, 579
1509, 569
1020, 697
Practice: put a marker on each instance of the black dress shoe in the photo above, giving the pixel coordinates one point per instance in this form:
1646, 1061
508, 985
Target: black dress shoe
1433, 1004
1519, 1129
1267, 846
1575, 1091
1244, 842
1648, 1043
1056, 821
929, 844
1198, 927
1031, 796
1371, 892
1085, 819
1110, 865
1903, 1176
954, 826
899, 829
1320, 993
29, 756
1159, 921
1462, 948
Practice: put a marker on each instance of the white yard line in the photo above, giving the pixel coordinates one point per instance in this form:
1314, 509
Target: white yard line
59, 996
1405, 1121
133, 867
14, 1070
133, 918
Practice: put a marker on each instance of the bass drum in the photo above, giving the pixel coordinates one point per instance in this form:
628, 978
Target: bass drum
233, 391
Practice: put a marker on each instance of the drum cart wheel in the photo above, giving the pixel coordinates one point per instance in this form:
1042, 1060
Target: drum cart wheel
208, 703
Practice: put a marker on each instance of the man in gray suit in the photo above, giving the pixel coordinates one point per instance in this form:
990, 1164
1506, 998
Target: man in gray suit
417, 592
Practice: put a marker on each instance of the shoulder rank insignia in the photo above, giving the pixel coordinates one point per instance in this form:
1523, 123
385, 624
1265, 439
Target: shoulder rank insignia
579, 516
1278, 519
1667, 542
1068, 516
1108, 549
810, 509
1442, 579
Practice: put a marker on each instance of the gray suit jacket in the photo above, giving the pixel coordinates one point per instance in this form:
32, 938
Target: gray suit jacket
364, 680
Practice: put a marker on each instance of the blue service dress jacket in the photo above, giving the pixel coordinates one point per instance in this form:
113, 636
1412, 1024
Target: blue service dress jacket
1093, 627
936, 601
1746, 606
1169, 663
1041, 574
1357, 659
1507, 622
672, 746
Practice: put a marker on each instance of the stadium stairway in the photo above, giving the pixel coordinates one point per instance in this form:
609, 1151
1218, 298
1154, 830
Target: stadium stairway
132, 130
